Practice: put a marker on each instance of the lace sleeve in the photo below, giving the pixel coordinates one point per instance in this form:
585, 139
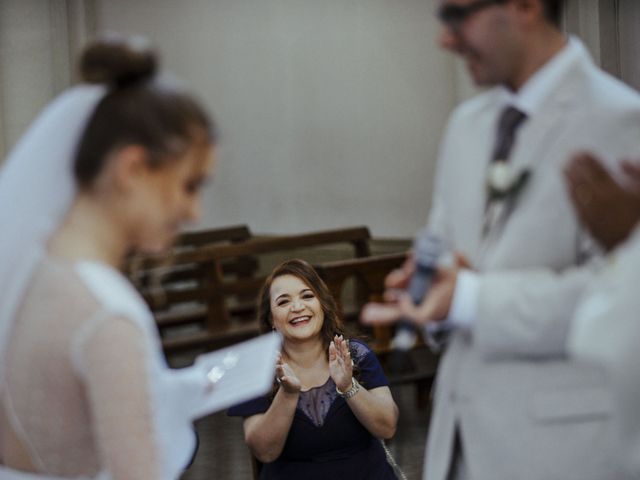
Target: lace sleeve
111, 356
371, 374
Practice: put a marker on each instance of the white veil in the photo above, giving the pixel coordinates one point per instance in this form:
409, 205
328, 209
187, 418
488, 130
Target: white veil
37, 188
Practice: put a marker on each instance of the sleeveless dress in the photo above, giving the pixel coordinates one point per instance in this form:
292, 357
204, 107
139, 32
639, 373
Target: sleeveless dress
86, 381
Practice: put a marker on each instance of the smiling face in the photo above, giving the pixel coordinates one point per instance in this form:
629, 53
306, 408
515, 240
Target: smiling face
295, 308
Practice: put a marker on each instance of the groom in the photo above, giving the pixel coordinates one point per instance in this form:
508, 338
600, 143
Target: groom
509, 404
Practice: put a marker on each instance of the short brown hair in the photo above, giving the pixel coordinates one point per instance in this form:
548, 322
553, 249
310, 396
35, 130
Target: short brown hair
332, 324
553, 10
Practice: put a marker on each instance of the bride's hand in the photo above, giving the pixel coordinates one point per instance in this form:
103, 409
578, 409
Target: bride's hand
286, 377
340, 363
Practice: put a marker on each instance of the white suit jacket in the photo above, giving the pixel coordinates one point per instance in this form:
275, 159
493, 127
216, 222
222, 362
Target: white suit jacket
523, 408
606, 329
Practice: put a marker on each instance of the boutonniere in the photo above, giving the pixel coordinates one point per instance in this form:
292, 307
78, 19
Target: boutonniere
504, 182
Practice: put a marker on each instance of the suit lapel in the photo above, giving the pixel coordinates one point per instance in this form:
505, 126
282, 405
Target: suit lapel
538, 136
475, 192
535, 140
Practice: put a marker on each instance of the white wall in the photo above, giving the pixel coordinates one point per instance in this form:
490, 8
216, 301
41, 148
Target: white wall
629, 41
39, 42
25, 86
330, 110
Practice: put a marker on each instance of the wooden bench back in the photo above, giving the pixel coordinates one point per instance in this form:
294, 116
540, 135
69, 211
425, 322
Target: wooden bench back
369, 274
203, 286
232, 234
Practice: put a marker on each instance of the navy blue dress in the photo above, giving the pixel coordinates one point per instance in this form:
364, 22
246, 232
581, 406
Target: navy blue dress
326, 440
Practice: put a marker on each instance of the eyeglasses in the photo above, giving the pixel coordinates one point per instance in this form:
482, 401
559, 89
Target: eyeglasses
453, 16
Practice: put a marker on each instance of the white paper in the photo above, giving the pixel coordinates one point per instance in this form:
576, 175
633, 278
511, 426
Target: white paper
240, 372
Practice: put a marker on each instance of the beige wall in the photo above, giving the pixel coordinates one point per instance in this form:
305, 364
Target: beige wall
26, 74
609, 28
39, 40
330, 111
628, 29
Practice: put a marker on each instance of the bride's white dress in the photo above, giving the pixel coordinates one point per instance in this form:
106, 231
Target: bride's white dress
88, 393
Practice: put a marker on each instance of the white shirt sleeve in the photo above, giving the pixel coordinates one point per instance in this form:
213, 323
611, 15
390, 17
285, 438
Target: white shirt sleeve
462, 314
463, 311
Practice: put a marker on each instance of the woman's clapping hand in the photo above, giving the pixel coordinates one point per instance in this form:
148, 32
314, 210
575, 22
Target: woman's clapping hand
286, 377
340, 363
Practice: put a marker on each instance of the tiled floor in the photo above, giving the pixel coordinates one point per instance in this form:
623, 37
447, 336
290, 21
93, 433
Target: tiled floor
223, 455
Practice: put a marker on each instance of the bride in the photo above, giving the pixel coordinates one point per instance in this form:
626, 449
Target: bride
111, 166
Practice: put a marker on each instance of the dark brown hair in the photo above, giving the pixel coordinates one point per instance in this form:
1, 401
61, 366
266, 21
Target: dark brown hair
332, 325
137, 108
553, 11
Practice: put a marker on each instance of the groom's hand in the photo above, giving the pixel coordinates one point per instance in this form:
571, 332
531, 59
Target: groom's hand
608, 210
434, 307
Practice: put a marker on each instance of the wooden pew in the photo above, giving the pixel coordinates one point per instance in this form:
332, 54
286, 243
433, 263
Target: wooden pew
154, 276
142, 269
369, 274
204, 288
231, 234
214, 298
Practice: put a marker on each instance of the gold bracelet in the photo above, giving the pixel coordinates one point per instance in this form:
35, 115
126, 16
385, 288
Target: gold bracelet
355, 387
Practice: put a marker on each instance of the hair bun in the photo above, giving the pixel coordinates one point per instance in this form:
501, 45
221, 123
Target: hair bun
118, 61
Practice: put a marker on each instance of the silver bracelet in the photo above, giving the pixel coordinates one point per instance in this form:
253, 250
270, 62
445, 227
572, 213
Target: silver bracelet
355, 388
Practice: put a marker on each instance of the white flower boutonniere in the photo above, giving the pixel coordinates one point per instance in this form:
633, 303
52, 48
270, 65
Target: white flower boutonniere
504, 181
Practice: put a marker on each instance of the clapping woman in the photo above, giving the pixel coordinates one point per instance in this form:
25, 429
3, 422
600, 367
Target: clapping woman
331, 403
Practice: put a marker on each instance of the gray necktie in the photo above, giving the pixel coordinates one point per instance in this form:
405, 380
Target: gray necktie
510, 119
